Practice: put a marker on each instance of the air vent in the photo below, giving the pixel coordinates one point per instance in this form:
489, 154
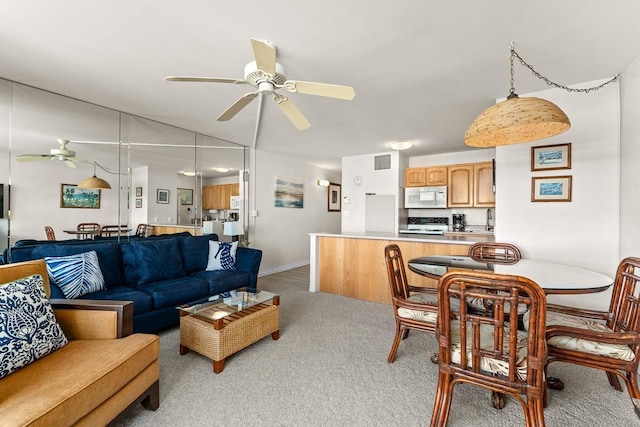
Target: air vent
382, 162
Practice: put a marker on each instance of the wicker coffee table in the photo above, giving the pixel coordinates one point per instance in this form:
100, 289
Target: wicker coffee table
223, 326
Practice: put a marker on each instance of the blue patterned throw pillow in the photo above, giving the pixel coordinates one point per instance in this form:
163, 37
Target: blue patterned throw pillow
76, 275
222, 256
28, 328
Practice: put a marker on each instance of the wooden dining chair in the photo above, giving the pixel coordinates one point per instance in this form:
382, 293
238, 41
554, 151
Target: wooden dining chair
413, 307
142, 230
113, 230
607, 340
49, 231
487, 349
90, 227
495, 253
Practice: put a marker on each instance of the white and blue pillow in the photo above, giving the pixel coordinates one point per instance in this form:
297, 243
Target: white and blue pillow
222, 256
28, 328
76, 275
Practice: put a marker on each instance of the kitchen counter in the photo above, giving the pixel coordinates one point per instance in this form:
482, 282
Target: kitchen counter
454, 238
175, 228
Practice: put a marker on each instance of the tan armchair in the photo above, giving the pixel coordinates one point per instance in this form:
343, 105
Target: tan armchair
101, 372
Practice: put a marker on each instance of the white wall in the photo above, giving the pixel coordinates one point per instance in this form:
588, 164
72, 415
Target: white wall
381, 182
283, 233
583, 232
629, 159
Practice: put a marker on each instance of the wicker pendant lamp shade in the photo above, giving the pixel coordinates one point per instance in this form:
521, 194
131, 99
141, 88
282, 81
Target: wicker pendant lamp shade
94, 182
516, 120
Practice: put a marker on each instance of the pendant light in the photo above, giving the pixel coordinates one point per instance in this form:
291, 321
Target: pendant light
516, 120
94, 182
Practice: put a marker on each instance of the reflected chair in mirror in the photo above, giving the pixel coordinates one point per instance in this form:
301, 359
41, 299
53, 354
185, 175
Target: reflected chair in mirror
113, 230
49, 231
142, 230
413, 307
606, 340
91, 228
495, 253
487, 349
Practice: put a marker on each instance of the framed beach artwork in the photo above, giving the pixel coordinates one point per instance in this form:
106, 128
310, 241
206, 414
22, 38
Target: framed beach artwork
335, 196
551, 189
289, 193
73, 197
185, 195
550, 157
162, 196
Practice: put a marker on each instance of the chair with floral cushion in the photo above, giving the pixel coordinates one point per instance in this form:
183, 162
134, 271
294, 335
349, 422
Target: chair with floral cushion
607, 340
414, 307
487, 349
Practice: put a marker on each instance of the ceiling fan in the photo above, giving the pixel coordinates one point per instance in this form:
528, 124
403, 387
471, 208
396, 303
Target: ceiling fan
267, 75
61, 153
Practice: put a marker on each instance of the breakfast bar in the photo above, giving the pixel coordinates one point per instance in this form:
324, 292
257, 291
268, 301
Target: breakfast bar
352, 264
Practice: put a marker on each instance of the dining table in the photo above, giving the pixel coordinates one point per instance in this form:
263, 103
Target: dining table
82, 234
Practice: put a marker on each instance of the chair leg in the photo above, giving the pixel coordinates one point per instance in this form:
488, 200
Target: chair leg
442, 401
395, 345
613, 380
405, 334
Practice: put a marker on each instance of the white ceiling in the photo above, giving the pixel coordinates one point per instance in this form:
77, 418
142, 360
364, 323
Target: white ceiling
422, 70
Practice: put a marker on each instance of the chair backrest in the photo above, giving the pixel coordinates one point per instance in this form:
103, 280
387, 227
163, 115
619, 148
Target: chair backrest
142, 230
474, 344
396, 272
113, 230
625, 316
90, 227
497, 253
50, 234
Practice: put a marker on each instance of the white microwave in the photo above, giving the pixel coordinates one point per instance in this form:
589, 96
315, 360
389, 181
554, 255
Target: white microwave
425, 197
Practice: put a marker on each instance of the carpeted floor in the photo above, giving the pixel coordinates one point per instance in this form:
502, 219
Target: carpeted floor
329, 369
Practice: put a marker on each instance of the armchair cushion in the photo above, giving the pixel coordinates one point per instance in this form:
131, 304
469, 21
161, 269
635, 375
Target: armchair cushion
76, 275
28, 327
616, 351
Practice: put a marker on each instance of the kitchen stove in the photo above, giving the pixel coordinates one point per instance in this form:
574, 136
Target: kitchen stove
426, 225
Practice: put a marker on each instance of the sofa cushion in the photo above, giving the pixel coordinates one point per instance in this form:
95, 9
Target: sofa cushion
130, 264
195, 251
68, 384
109, 257
222, 256
76, 275
223, 280
28, 328
157, 260
142, 301
177, 291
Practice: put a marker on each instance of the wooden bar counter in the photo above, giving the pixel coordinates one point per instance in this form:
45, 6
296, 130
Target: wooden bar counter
353, 264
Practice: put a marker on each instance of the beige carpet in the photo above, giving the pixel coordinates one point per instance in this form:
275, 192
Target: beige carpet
329, 369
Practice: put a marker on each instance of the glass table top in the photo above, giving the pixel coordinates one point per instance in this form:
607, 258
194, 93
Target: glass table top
228, 303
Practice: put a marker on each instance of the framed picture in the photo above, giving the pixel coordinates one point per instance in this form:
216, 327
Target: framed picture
138, 191
138, 203
289, 193
549, 157
162, 196
334, 192
73, 197
185, 195
551, 189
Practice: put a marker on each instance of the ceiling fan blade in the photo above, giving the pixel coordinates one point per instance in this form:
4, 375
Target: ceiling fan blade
70, 164
235, 108
265, 55
292, 112
32, 157
321, 89
203, 79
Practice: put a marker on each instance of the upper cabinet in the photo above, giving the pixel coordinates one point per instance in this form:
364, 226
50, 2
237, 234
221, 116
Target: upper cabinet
421, 177
460, 190
483, 195
219, 196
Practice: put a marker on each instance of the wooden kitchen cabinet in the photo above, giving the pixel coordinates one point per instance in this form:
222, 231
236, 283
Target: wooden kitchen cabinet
483, 195
219, 196
460, 188
420, 177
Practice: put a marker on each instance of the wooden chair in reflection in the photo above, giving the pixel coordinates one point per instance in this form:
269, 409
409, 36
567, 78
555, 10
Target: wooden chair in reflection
49, 231
90, 227
143, 230
496, 253
113, 230
607, 340
413, 307
487, 349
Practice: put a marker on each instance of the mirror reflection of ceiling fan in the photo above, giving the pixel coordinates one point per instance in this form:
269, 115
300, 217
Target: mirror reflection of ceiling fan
267, 75
61, 153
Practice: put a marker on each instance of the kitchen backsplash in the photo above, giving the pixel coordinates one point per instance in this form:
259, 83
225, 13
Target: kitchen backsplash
476, 218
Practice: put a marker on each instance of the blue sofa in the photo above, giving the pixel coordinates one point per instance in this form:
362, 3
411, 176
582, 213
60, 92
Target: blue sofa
156, 273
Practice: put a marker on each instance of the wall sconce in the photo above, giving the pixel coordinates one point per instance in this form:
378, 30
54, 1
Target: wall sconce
323, 183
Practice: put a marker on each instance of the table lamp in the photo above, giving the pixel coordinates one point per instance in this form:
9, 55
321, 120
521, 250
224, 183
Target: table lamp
233, 229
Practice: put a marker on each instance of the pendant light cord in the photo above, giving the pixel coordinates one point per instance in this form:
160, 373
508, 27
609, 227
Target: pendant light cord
547, 80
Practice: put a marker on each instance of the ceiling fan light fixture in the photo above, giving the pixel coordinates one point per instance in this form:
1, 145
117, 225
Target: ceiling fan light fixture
401, 145
516, 120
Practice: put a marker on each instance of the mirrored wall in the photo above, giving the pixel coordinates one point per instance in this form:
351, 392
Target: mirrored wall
172, 179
